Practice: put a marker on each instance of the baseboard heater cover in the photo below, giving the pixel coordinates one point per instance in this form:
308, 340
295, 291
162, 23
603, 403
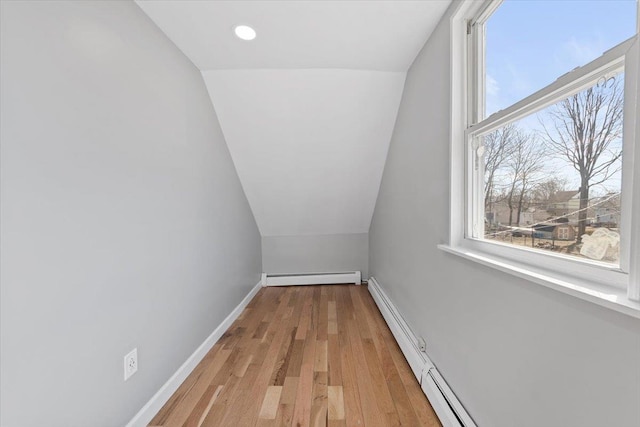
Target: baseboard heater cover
444, 402
311, 278
446, 405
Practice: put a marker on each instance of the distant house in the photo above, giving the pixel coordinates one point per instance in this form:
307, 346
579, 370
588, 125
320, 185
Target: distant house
565, 203
606, 211
500, 215
607, 216
526, 218
556, 231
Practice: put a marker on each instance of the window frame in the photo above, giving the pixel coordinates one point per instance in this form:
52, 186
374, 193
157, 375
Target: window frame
613, 286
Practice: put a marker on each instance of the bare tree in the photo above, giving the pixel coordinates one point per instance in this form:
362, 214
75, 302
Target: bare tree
586, 127
525, 162
544, 191
498, 146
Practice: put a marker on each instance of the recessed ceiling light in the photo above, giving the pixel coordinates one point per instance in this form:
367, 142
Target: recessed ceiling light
245, 32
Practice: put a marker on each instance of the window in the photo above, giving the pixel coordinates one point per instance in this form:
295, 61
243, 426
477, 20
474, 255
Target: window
563, 233
544, 133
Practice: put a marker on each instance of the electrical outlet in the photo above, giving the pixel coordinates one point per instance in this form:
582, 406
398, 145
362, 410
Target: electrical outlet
130, 363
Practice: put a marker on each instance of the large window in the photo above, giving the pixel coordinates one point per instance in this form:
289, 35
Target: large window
547, 95
544, 173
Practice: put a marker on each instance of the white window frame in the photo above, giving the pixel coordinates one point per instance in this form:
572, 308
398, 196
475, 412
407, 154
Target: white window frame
614, 287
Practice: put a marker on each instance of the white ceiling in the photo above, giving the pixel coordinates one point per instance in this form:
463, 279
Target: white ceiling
364, 35
308, 107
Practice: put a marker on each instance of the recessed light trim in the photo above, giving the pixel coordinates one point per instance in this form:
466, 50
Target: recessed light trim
244, 32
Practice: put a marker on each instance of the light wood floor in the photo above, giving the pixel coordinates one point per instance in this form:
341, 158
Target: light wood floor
302, 356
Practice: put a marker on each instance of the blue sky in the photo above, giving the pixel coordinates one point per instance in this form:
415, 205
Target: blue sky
530, 43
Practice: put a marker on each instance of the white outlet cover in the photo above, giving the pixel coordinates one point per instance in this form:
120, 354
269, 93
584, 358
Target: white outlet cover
130, 363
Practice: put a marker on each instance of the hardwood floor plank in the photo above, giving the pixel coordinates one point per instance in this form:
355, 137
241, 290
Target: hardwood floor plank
231, 338
285, 415
353, 408
182, 411
333, 360
284, 359
319, 402
261, 383
302, 356
241, 366
243, 399
315, 311
321, 356
373, 416
373, 361
287, 401
396, 387
379, 385
262, 329
239, 401
421, 406
280, 369
161, 417
220, 406
323, 314
332, 318
203, 407
289, 390
270, 403
305, 316
302, 408
265, 423
295, 358
335, 397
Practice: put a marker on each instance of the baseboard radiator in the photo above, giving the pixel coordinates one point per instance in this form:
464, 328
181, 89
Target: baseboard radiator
311, 278
444, 402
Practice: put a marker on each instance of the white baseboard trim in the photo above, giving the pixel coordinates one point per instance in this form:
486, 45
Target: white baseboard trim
148, 411
446, 405
311, 279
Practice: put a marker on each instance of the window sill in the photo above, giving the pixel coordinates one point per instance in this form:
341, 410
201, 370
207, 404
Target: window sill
606, 296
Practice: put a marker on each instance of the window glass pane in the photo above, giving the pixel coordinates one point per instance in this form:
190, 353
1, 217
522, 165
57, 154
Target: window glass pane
529, 44
552, 180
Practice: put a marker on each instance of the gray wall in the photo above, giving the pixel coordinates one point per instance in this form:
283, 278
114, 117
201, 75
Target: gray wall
515, 353
316, 254
123, 220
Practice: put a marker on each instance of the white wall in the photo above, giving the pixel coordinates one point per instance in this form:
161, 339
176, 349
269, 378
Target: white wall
316, 254
123, 220
515, 353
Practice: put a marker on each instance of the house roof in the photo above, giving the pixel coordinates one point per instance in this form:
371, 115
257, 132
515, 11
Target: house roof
611, 200
563, 196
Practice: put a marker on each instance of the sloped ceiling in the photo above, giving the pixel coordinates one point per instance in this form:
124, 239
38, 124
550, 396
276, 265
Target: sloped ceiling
308, 107
309, 145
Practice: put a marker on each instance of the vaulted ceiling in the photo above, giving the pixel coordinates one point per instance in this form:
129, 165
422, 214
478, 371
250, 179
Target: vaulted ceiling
308, 107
